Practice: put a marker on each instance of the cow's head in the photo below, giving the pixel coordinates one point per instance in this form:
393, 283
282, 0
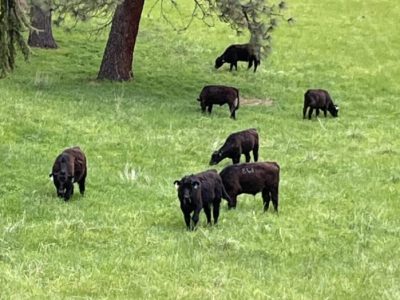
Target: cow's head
188, 188
216, 157
62, 176
334, 110
219, 62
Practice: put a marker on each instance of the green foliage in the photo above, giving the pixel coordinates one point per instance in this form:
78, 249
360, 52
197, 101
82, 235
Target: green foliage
259, 17
83, 10
337, 235
12, 24
256, 19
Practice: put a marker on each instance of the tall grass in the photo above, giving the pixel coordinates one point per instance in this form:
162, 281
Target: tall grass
337, 233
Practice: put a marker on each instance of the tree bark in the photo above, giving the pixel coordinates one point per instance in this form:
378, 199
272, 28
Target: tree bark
41, 19
118, 55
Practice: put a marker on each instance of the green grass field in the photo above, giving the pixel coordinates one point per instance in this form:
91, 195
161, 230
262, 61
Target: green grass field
337, 235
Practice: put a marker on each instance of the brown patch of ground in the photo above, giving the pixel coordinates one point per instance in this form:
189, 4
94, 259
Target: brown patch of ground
256, 101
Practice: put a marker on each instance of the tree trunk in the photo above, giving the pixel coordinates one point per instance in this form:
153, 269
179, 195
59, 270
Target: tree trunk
118, 55
41, 19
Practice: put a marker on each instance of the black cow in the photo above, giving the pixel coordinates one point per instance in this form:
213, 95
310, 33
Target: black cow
238, 143
235, 53
252, 178
319, 99
219, 94
200, 191
69, 167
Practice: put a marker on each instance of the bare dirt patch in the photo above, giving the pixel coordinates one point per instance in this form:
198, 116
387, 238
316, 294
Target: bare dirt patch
256, 101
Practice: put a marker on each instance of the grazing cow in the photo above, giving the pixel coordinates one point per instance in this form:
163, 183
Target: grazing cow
235, 53
319, 99
238, 143
200, 191
69, 167
252, 178
219, 94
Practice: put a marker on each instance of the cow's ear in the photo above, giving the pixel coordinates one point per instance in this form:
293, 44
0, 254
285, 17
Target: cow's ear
337, 107
177, 183
195, 184
51, 174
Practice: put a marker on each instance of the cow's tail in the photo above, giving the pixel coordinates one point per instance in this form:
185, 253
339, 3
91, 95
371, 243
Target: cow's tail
225, 195
237, 99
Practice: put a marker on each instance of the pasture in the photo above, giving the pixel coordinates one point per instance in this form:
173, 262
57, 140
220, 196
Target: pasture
337, 235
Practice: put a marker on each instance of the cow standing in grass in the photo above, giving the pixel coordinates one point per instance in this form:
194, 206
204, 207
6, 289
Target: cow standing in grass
238, 143
69, 167
200, 191
319, 99
252, 178
219, 94
235, 53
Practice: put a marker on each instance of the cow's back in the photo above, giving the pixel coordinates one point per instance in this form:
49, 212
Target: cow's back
249, 139
250, 178
79, 161
245, 139
316, 98
218, 94
240, 52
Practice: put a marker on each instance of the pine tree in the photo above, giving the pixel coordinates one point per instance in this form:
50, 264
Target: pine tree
12, 24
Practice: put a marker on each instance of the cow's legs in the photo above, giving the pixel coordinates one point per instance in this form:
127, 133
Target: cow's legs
256, 63
232, 109
195, 217
216, 210
304, 111
207, 211
210, 108
310, 111
317, 112
266, 198
247, 155
250, 63
235, 64
255, 153
325, 112
233, 197
231, 67
187, 220
203, 107
82, 184
275, 197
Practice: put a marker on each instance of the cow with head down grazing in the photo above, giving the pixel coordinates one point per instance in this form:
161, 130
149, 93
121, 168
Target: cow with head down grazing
238, 52
69, 167
319, 99
219, 95
200, 191
238, 143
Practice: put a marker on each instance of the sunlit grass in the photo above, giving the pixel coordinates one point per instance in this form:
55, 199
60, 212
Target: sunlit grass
337, 233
